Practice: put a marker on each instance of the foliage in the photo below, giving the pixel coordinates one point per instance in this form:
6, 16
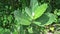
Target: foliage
29, 16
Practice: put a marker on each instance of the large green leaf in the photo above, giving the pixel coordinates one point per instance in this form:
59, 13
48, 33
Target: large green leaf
22, 18
46, 19
40, 10
33, 5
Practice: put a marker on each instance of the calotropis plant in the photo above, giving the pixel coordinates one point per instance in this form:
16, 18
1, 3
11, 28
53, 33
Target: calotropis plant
30, 16
35, 14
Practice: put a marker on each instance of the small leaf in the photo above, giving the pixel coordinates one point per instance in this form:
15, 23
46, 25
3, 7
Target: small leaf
58, 13
30, 30
27, 10
33, 4
52, 18
25, 22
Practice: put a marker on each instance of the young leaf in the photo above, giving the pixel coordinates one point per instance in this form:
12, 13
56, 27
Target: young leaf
30, 30
33, 5
40, 10
27, 10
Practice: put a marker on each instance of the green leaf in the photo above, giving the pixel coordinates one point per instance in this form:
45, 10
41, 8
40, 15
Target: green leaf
22, 18
24, 22
52, 18
33, 4
40, 10
58, 13
46, 19
30, 30
27, 10
37, 23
